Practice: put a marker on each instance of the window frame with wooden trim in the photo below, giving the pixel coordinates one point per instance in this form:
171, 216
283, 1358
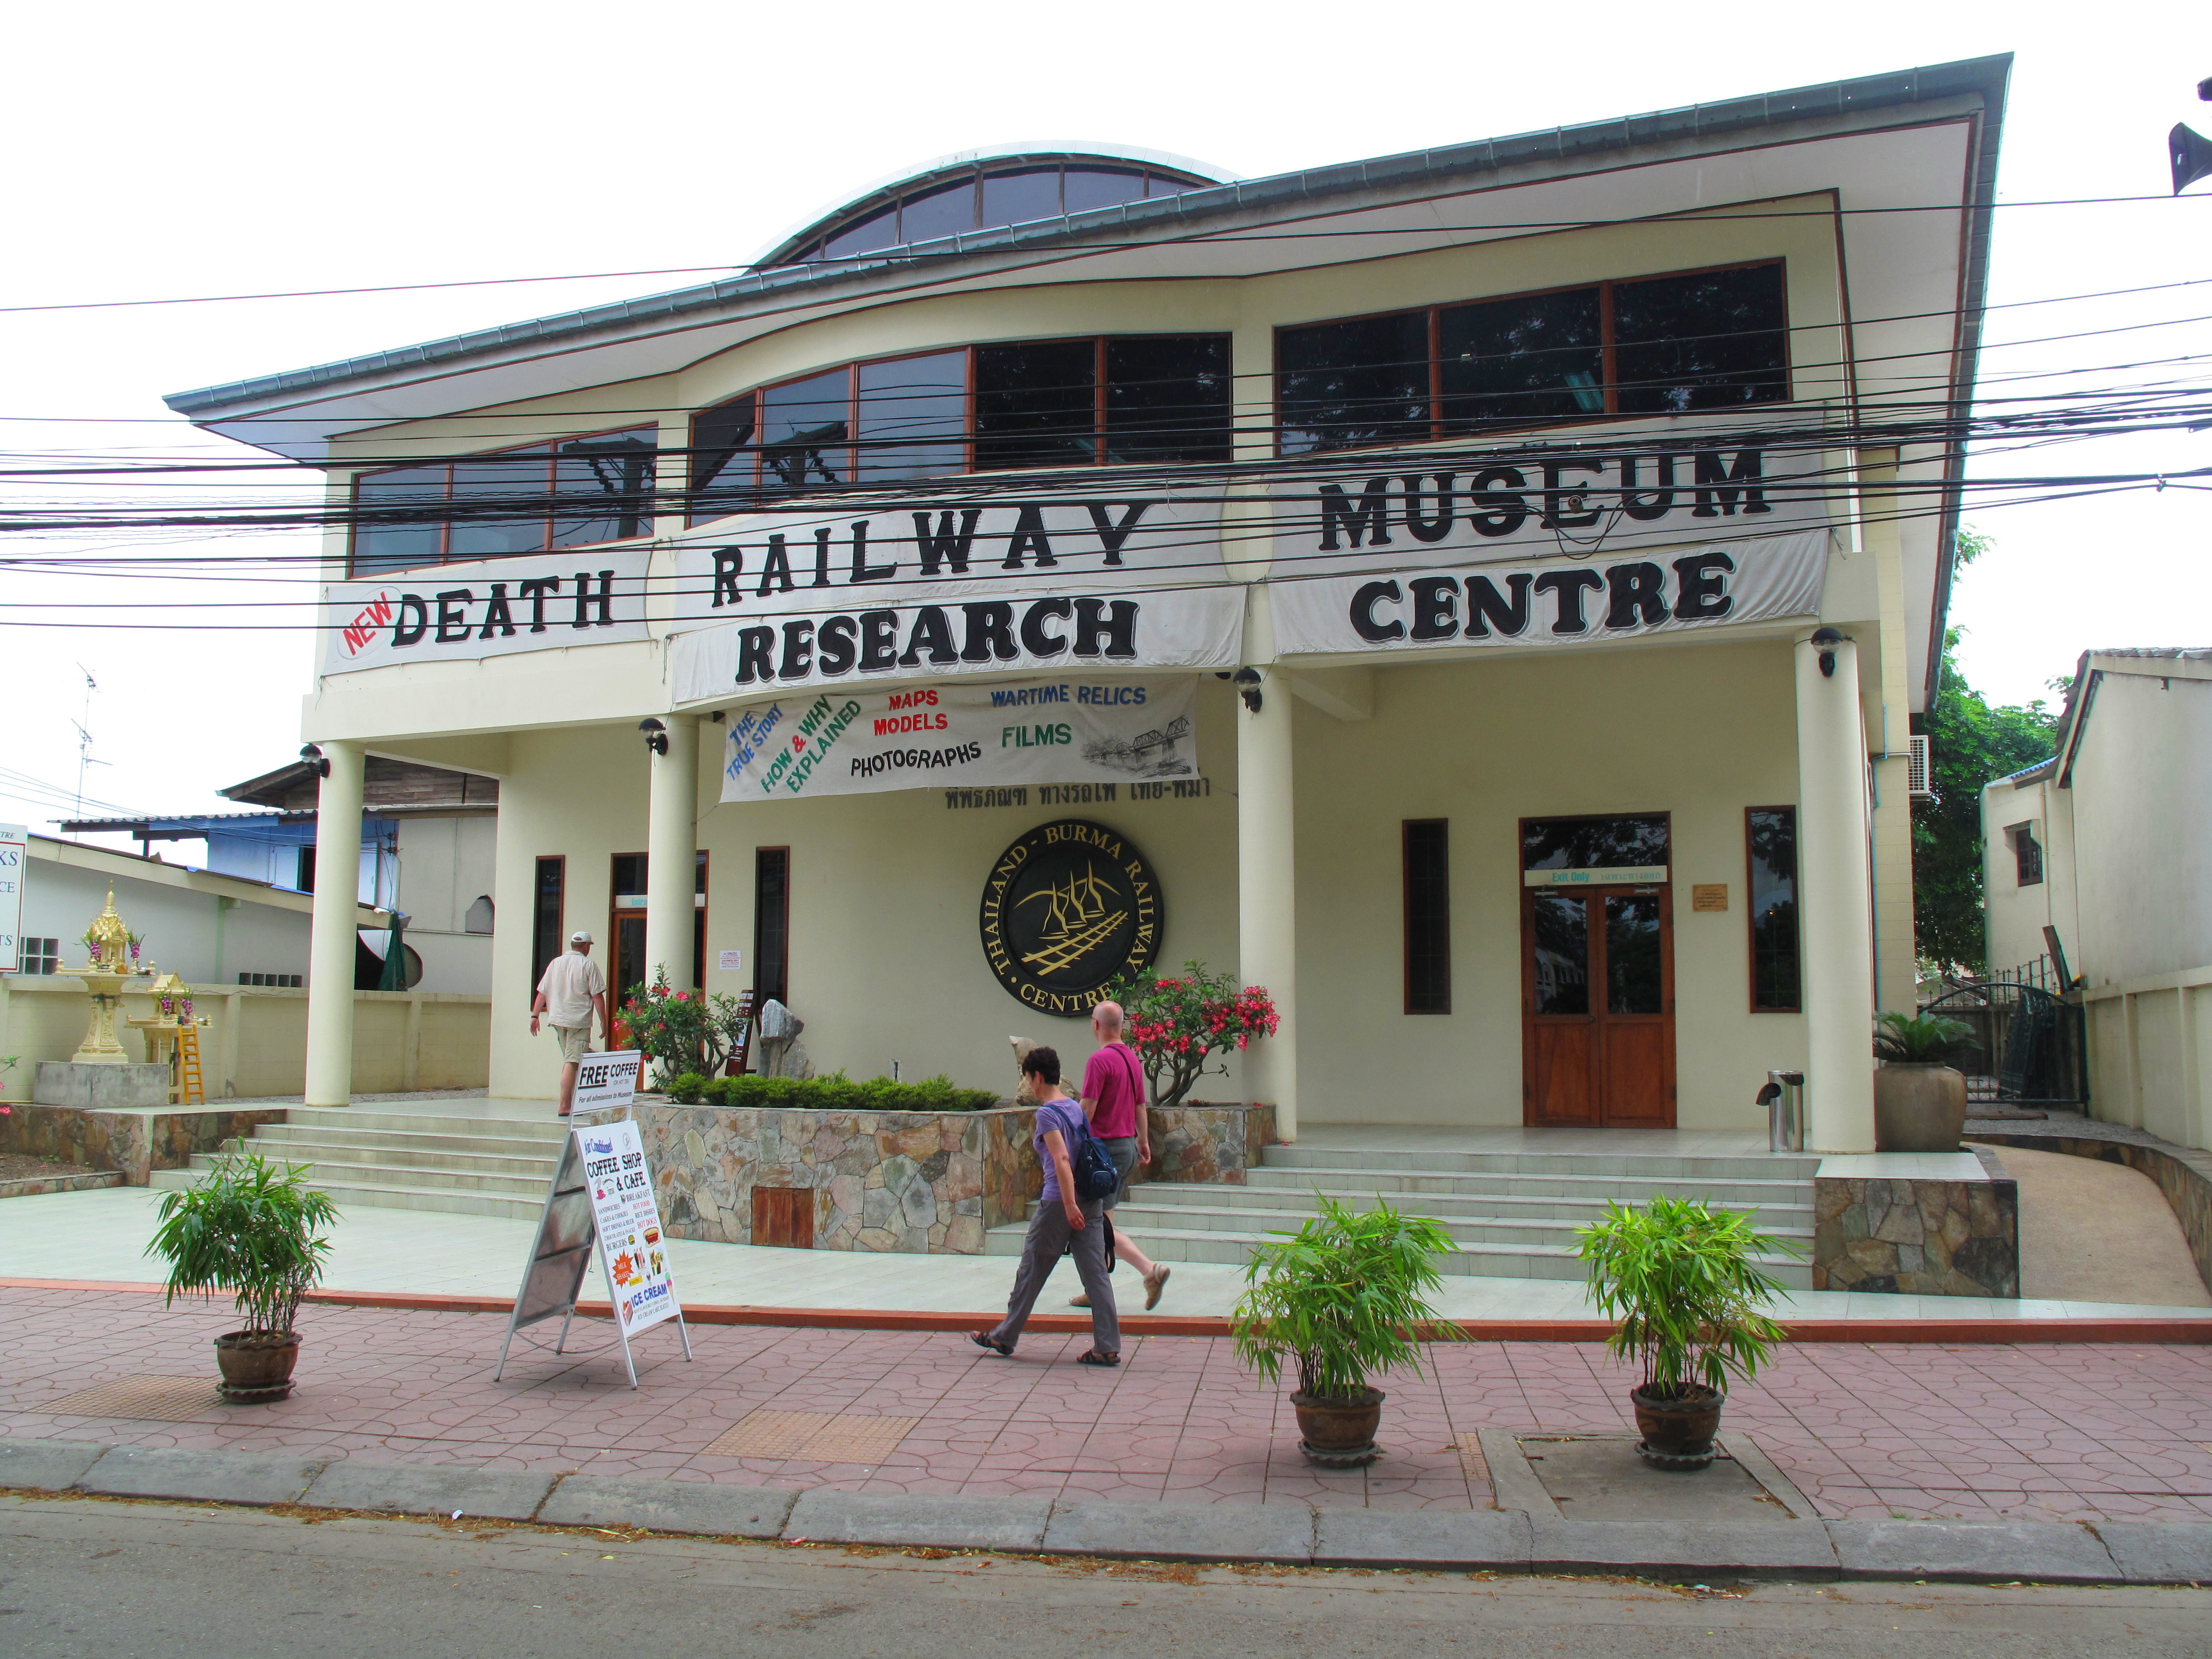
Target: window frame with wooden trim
761, 991
1759, 878
2028, 865
422, 537
737, 465
1425, 398
540, 958
1426, 893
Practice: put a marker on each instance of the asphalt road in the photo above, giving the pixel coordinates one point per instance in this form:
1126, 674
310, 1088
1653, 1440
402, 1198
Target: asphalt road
92, 1577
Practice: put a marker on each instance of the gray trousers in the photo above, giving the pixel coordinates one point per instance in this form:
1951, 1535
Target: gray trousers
1040, 1252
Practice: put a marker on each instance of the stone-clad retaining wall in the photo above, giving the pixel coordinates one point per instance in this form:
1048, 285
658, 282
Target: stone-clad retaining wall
1917, 1237
135, 1143
921, 1181
928, 1183
1208, 1142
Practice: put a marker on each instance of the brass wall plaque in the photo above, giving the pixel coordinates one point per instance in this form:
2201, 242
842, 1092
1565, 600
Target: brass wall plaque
1709, 895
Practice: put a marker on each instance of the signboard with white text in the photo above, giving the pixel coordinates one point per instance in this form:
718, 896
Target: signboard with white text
631, 1247
1060, 730
14, 864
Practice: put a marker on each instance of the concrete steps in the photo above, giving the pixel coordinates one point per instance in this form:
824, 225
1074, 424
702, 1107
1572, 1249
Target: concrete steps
459, 1164
1512, 1215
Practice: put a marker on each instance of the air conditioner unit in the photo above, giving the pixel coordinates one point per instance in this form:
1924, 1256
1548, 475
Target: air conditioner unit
1917, 782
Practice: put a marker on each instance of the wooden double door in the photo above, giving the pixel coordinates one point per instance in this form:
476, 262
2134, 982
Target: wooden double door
1597, 1006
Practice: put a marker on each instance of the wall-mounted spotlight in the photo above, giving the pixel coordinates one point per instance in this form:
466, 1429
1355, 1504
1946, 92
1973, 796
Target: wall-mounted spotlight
1247, 681
317, 763
1826, 640
656, 735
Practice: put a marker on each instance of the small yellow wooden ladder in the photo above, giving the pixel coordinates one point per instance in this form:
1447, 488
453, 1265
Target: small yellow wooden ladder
191, 1091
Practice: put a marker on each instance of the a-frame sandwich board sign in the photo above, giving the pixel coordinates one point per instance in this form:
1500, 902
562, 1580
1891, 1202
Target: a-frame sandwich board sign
601, 1193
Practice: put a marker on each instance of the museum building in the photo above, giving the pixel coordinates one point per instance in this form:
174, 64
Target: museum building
1481, 595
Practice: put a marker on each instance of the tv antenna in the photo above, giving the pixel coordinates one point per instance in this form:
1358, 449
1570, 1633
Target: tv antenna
84, 737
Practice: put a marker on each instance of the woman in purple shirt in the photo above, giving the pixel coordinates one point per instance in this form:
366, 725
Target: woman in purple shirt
1062, 1219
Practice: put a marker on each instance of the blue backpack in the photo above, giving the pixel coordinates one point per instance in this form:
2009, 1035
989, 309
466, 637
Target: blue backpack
1088, 1161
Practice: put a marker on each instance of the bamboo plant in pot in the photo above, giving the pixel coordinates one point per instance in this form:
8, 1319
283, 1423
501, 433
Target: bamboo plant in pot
1342, 1300
1681, 1280
1919, 1101
248, 1228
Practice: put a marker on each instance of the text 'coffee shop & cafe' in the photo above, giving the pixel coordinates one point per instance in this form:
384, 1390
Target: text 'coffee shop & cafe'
1481, 596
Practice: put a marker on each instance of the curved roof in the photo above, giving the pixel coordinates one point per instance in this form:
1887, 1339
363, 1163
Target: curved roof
945, 172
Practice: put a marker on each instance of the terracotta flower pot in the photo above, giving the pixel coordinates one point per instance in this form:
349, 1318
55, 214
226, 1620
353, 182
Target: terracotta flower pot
256, 1365
1678, 1427
1918, 1108
1338, 1434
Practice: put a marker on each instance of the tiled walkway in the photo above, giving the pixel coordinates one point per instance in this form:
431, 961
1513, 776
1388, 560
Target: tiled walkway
2063, 1431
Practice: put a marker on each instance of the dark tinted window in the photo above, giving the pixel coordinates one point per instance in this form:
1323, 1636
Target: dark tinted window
944, 211
1772, 831
1631, 954
1035, 404
721, 457
1167, 398
804, 429
545, 940
877, 230
1592, 843
1361, 382
1537, 358
603, 487
913, 417
389, 533
1094, 188
1013, 198
771, 925
499, 504
1428, 917
1561, 925
1708, 340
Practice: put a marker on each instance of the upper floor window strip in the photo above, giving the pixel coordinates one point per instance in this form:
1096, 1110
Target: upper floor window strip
1653, 345
984, 197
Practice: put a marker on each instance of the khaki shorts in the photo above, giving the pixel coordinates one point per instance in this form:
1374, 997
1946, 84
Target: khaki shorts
575, 1042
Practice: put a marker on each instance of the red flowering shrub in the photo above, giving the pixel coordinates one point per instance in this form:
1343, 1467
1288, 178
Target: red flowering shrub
680, 1031
1178, 1023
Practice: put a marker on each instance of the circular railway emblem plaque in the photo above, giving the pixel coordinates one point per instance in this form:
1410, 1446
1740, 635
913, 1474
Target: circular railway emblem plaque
1068, 909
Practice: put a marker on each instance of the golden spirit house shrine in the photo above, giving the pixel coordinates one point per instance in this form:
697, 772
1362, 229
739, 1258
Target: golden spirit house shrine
1481, 595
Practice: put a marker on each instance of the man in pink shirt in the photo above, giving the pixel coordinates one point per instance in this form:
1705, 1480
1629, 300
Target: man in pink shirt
1114, 1100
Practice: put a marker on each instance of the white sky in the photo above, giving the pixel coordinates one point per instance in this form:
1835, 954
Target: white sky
213, 148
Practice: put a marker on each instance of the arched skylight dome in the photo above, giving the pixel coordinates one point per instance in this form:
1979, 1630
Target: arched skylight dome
980, 190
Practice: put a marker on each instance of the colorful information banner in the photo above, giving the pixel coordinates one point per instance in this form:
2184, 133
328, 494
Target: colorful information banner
631, 1247
1056, 731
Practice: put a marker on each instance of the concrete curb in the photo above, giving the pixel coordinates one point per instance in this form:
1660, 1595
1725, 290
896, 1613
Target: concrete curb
1293, 1535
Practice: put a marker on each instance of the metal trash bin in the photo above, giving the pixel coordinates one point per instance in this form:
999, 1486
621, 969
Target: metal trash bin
1783, 1096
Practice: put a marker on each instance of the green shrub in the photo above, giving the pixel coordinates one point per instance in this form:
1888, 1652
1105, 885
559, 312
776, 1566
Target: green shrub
249, 1227
1930, 1040
839, 1093
686, 1088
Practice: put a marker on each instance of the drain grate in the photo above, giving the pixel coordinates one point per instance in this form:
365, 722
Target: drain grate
813, 1437
1472, 1463
151, 1399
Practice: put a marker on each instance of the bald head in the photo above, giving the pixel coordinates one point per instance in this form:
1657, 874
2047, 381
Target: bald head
1106, 1020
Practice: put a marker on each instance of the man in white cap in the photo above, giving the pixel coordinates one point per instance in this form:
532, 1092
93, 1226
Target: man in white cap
573, 992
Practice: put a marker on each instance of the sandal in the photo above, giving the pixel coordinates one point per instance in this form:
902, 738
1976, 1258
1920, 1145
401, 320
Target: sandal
1095, 1358
1155, 1282
985, 1340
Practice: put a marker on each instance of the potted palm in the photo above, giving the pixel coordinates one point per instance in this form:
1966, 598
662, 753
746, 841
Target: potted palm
1342, 1299
248, 1228
1919, 1100
1680, 1278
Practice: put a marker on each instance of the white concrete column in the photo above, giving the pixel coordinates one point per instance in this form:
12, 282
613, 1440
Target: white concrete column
671, 851
1267, 893
330, 945
1836, 903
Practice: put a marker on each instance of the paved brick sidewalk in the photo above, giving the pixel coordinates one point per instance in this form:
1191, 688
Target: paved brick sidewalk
2039, 1432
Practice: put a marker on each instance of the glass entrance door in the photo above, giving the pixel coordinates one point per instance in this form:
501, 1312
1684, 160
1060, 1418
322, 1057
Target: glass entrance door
1597, 1006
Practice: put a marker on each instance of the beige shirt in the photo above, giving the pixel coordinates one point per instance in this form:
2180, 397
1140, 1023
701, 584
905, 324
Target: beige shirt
572, 980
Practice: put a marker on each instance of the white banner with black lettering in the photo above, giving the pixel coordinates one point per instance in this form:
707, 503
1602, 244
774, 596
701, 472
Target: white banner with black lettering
1589, 496
1177, 627
1555, 601
775, 565
1057, 731
530, 602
